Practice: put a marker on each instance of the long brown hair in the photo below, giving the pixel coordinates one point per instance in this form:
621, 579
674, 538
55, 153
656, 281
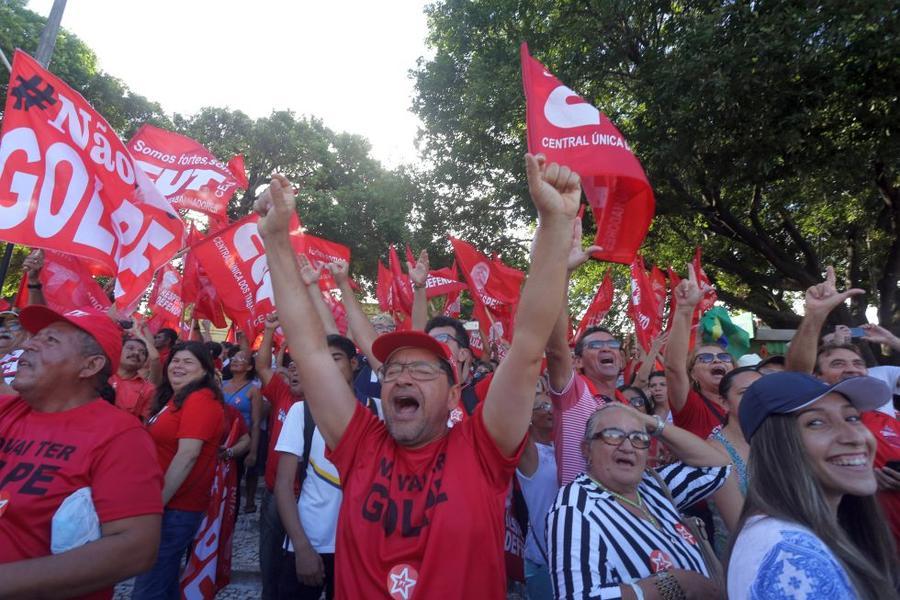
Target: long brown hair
783, 485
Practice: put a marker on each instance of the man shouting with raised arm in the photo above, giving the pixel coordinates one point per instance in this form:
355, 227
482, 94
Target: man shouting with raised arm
422, 515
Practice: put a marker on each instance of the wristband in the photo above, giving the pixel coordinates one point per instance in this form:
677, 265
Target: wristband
638, 592
34, 286
660, 425
419, 287
668, 587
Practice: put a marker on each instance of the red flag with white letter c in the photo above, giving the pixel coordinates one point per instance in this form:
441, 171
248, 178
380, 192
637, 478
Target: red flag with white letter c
572, 132
68, 183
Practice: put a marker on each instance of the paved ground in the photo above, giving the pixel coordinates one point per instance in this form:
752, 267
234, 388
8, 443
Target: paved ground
245, 583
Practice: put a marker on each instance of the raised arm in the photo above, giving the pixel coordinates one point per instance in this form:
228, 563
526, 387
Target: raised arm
820, 300
642, 378
556, 192
310, 277
263, 360
32, 266
360, 326
154, 366
418, 275
559, 355
330, 399
687, 295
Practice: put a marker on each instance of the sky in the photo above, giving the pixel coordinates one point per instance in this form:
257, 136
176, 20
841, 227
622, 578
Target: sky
344, 61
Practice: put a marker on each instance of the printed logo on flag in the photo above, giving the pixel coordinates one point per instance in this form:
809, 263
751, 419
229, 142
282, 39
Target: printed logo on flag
401, 581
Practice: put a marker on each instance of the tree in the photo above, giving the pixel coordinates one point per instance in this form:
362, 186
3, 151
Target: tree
768, 129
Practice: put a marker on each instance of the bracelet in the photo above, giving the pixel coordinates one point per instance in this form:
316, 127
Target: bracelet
419, 287
668, 587
660, 425
34, 286
229, 453
638, 592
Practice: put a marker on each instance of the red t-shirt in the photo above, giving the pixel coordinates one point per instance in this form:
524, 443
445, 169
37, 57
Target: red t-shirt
233, 419
886, 430
133, 395
45, 457
423, 523
280, 398
201, 417
695, 416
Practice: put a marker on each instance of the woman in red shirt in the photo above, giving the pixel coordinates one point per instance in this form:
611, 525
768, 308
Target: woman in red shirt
186, 430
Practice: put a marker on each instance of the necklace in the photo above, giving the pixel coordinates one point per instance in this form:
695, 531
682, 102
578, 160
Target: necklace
639, 505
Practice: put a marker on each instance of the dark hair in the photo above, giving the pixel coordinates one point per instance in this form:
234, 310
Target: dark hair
459, 331
343, 344
169, 333
136, 339
579, 344
215, 349
728, 379
826, 348
286, 360
164, 391
782, 485
656, 374
775, 359
90, 347
648, 401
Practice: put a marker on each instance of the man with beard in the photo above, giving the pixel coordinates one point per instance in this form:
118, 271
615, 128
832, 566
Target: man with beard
693, 382
423, 505
134, 394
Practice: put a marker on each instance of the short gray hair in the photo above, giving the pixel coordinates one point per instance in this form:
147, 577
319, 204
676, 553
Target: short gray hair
595, 416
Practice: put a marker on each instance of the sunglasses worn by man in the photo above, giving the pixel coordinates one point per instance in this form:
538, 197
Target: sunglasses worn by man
600, 344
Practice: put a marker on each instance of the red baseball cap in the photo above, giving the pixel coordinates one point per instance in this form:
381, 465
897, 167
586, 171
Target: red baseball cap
385, 345
98, 325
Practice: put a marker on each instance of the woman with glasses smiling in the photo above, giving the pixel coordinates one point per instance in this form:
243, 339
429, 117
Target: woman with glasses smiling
614, 532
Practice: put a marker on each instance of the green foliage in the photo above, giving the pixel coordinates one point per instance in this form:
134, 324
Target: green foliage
768, 129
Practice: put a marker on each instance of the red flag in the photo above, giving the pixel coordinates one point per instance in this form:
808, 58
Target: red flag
709, 299
68, 183
67, 284
643, 305
599, 306
401, 288
165, 300
320, 252
442, 282
452, 306
570, 131
186, 173
337, 311
237, 170
658, 285
198, 290
494, 288
383, 289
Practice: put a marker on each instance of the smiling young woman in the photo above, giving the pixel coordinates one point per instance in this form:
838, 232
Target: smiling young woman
810, 519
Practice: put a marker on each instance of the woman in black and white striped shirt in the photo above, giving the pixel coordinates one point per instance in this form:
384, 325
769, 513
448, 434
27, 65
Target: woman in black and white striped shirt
613, 533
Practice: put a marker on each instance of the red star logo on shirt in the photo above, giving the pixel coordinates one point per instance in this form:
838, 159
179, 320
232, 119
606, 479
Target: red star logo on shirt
660, 561
401, 581
685, 533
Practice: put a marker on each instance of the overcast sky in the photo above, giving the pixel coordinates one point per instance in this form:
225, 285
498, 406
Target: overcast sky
345, 61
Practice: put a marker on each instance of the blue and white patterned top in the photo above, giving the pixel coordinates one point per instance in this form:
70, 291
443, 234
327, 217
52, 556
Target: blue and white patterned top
775, 560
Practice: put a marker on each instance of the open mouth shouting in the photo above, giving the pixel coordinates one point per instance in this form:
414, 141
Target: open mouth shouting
718, 370
405, 405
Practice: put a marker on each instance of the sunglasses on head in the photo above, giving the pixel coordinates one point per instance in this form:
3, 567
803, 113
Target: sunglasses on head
708, 357
446, 337
616, 437
598, 344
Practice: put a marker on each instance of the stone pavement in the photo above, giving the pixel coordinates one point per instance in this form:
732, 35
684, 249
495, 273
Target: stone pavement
245, 582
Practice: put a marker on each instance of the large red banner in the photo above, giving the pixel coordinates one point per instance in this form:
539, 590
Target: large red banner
320, 252
67, 285
68, 183
186, 173
570, 131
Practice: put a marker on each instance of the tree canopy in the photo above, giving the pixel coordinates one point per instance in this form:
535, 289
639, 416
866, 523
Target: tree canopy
767, 129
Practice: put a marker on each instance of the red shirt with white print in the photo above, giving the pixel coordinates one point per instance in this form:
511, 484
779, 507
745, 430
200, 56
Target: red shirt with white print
280, 398
421, 523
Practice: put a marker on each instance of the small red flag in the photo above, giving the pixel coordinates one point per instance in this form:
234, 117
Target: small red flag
599, 306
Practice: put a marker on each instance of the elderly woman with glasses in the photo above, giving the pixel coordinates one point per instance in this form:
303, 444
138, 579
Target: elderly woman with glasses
614, 532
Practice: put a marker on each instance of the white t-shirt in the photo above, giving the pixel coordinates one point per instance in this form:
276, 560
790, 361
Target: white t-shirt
774, 560
320, 496
891, 376
539, 491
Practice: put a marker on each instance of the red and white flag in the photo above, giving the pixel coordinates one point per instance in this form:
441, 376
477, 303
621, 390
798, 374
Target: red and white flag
572, 132
383, 292
67, 284
320, 252
642, 309
599, 306
186, 173
165, 301
197, 289
68, 183
494, 287
401, 287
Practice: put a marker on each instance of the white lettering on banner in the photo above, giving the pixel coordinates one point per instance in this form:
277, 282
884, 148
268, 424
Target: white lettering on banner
435, 281
575, 141
90, 232
245, 241
22, 184
612, 225
142, 148
644, 321
170, 181
157, 236
46, 224
561, 114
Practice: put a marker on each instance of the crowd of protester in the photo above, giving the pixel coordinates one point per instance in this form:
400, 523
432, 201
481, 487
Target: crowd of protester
393, 459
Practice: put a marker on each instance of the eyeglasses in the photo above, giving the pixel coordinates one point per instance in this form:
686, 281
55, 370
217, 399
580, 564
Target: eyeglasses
543, 406
708, 357
616, 437
446, 337
637, 402
11, 325
418, 370
598, 344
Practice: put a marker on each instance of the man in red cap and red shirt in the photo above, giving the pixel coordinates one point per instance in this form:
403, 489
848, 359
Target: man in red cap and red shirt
80, 486
422, 513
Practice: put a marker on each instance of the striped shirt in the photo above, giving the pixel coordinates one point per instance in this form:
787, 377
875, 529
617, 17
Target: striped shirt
595, 544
